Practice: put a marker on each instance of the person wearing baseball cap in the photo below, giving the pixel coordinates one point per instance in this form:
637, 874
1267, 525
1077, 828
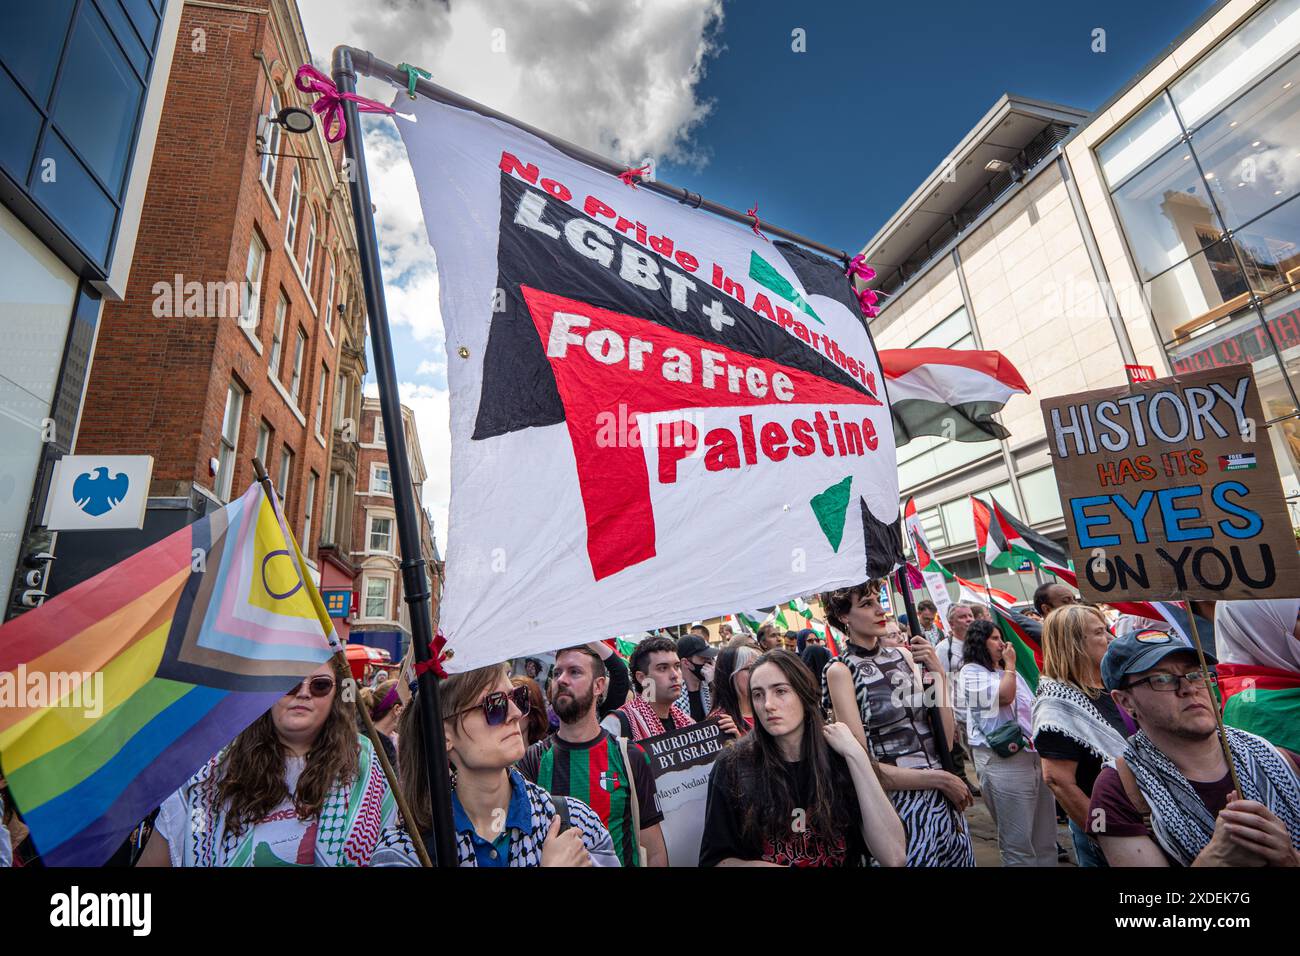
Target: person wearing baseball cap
1169, 799
697, 656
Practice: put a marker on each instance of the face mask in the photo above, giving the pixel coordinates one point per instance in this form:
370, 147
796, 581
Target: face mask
706, 673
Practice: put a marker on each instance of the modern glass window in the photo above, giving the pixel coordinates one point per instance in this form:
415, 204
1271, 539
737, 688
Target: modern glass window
229, 440
295, 380
251, 297
1210, 209
1041, 496
286, 472
295, 198
381, 483
377, 597
329, 297
270, 160
277, 335
381, 534
321, 380
309, 263
308, 508
73, 76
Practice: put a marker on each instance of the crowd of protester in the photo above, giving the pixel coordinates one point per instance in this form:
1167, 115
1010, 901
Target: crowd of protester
871, 755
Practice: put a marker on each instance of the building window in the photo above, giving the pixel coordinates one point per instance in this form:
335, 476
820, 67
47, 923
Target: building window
310, 263
229, 440
295, 382
286, 472
329, 297
295, 196
377, 598
331, 508
379, 430
263, 441
308, 508
269, 158
338, 401
380, 481
277, 335
320, 396
381, 534
251, 314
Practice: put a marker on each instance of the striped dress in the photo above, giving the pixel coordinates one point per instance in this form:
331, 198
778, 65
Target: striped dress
893, 716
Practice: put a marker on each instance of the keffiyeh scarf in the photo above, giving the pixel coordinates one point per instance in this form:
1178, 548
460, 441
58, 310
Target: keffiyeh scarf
1066, 709
646, 723
1182, 824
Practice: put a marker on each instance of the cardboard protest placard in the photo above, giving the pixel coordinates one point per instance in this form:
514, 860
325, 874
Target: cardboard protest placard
1171, 491
681, 761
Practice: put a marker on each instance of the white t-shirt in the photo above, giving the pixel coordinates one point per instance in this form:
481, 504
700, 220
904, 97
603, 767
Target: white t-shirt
978, 690
950, 652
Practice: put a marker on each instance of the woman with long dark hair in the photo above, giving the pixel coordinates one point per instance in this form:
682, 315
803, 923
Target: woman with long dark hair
299, 787
877, 692
796, 791
730, 688
999, 722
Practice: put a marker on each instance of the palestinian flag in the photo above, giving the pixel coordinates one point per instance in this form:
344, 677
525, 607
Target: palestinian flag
949, 393
751, 621
1006, 541
933, 573
1262, 700
983, 594
1029, 652
622, 646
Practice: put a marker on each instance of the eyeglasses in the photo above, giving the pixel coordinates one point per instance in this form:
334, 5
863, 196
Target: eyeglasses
317, 686
496, 706
1169, 682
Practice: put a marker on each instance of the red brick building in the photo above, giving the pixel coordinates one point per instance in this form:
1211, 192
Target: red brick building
243, 323
382, 619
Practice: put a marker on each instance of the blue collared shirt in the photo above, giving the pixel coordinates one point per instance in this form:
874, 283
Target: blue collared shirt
496, 852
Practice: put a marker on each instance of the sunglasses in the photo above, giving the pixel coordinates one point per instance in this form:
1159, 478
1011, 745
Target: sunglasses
317, 686
496, 706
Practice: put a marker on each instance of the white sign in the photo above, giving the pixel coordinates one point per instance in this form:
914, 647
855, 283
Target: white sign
643, 398
93, 492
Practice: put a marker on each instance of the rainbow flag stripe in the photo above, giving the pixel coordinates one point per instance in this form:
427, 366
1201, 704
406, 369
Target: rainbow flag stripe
122, 687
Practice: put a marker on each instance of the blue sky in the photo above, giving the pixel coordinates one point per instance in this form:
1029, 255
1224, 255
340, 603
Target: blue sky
832, 141
829, 142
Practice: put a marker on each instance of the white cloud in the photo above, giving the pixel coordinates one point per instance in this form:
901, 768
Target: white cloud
616, 76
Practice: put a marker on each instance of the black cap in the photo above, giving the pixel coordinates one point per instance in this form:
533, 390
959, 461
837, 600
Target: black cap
693, 644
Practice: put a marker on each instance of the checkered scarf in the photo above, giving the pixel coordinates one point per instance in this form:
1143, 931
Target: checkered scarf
1182, 824
646, 723
1067, 710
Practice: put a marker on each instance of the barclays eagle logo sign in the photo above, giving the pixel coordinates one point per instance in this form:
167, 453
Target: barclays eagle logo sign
96, 493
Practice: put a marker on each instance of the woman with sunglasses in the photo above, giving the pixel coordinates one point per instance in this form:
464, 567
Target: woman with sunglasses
299, 787
482, 719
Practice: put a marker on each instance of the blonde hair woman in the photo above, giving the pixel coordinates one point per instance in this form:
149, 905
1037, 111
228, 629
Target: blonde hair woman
1076, 724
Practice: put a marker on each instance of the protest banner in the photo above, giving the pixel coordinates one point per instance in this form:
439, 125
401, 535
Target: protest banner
1170, 490
681, 761
633, 381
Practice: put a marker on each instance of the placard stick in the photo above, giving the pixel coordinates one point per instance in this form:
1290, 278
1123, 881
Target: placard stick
1218, 713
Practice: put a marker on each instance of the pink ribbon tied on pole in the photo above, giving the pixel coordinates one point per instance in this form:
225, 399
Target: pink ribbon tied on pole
858, 268
754, 212
630, 175
329, 101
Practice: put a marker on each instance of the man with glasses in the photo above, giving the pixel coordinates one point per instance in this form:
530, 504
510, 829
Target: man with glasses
1169, 800
582, 760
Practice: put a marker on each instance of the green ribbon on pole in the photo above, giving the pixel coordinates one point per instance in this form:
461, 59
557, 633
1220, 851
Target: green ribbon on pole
413, 74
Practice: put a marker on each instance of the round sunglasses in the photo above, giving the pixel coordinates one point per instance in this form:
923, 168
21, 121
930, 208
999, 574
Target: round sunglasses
496, 706
316, 686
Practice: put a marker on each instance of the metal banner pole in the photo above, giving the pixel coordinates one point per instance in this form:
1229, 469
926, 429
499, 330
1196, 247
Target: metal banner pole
415, 582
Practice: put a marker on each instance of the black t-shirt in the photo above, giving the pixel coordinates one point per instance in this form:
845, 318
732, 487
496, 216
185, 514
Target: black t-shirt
1054, 744
724, 838
696, 698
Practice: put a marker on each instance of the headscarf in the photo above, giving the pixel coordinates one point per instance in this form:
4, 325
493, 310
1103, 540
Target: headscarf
816, 658
1258, 633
